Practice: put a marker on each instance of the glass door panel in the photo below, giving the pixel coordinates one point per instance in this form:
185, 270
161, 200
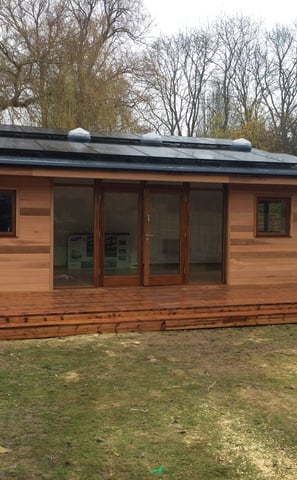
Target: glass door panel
206, 236
120, 234
162, 238
73, 235
164, 231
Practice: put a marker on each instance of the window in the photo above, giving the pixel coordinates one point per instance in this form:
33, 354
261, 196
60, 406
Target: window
7, 213
273, 216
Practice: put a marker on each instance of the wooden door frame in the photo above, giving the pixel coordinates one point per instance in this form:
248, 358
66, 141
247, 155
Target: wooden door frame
100, 190
98, 235
143, 278
181, 277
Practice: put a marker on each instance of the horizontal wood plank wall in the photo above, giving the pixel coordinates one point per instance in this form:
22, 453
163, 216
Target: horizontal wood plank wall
25, 260
255, 260
62, 312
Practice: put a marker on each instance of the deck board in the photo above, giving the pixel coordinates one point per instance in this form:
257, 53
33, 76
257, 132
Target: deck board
79, 311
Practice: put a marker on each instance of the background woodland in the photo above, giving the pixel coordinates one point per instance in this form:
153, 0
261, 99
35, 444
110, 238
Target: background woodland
95, 64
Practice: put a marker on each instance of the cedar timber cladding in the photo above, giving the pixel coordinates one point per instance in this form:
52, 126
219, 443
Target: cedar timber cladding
259, 260
213, 288
25, 260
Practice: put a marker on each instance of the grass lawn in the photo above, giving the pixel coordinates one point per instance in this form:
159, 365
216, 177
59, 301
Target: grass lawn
194, 405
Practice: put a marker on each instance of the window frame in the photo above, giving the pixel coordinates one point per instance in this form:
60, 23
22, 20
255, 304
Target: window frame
12, 233
274, 199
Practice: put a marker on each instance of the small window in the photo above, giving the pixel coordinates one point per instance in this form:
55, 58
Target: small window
273, 216
7, 213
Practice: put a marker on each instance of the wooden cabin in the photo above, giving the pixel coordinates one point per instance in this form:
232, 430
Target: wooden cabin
81, 211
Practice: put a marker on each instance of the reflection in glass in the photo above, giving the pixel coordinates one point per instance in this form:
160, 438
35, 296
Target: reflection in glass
7, 211
206, 235
164, 233
121, 233
73, 236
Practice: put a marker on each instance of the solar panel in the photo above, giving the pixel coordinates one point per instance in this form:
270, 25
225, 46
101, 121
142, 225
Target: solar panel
115, 149
18, 144
161, 152
64, 147
125, 151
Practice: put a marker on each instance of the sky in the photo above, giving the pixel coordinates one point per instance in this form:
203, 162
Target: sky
173, 15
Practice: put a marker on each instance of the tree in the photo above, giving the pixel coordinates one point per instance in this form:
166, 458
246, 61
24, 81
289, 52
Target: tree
68, 68
277, 75
256, 131
234, 94
172, 76
229, 78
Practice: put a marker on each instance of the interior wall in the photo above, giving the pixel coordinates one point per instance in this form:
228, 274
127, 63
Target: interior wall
259, 260
25, 260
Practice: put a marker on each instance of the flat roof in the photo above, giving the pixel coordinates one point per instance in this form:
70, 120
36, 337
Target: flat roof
40, 147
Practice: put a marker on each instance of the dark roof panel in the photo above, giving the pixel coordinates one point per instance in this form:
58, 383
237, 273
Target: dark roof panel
116, 136
33, 146
19, 131
220, 142
18, 145
161, 152
64, 147
205, 154
277, 157
115, 150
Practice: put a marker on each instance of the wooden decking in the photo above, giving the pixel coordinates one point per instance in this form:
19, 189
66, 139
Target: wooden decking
73, 312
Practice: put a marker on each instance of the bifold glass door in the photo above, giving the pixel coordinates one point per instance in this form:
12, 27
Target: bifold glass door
162, 233
73, 235
121, 238
206, 236
132, 234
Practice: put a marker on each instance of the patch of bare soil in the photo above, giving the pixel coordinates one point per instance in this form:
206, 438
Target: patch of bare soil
242, 444
71, 376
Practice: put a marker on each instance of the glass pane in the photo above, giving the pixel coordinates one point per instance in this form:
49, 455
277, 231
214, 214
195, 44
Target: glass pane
121, 233
206, 235
6, 211
272, 216
165, 234
73, 236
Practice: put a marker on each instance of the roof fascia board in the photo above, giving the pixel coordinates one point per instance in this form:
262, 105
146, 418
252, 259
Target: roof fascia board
149, 176
65, 164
